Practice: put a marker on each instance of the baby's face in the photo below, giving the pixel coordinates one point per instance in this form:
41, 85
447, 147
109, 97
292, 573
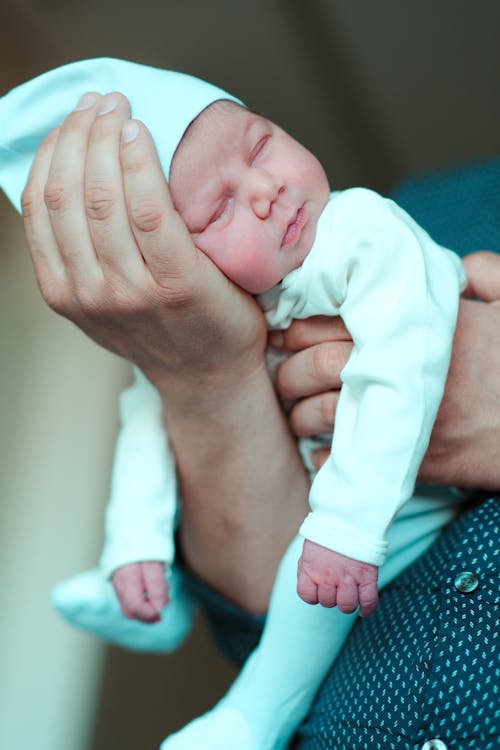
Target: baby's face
249, 193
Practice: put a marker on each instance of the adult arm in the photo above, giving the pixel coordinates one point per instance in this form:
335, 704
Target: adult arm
112, 255
465, 443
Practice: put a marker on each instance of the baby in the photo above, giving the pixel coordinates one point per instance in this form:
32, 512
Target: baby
259, 205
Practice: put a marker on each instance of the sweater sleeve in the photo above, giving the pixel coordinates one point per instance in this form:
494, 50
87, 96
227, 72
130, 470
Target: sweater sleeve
399, 299
141, 513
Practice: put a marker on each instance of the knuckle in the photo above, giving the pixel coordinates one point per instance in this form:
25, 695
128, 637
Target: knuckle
54, 296
88, 301
100, 201
55, 302
31, 200
173, 292
55, 195
146, 215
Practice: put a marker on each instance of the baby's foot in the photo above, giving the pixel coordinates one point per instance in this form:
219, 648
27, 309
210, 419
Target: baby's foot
88, 601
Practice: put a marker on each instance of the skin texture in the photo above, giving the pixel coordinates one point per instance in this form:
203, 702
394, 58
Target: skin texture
249, 193
464, 449
111, 254
251, 197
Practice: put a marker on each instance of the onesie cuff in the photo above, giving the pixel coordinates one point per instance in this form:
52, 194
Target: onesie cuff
346, 539
125, 551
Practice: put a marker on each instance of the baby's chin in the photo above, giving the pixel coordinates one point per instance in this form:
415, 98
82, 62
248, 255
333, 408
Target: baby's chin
259, 286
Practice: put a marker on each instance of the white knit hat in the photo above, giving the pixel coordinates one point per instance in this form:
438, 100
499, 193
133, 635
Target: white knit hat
166, 101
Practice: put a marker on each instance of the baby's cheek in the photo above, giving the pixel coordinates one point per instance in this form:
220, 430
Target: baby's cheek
248, 263
259, 273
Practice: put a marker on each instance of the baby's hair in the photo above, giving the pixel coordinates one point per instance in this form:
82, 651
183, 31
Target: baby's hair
224, 107
220, 107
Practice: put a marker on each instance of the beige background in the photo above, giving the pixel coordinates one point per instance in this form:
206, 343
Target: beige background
379, 90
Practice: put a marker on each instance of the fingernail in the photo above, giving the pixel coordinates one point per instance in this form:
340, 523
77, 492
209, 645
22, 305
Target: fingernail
108, 104
130, 131
86, 102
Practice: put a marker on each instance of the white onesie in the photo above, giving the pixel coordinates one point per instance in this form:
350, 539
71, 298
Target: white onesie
397, 291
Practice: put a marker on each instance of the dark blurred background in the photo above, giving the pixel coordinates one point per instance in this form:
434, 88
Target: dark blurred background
379, 91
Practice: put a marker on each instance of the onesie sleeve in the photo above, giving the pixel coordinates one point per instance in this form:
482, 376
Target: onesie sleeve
141, 513
399, 300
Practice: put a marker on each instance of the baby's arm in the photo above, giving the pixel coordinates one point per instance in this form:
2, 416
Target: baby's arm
399, 302
140, 517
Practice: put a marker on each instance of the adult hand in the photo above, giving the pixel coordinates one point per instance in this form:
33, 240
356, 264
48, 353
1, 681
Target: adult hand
111, 253
465, 444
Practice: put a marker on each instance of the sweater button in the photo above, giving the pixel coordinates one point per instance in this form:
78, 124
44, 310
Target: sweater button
466, 582
434, 745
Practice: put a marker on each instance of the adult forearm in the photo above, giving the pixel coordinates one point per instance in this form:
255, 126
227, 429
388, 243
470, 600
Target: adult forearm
243, 486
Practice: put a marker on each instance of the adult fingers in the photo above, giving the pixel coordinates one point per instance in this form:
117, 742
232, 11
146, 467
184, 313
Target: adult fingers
314, 415
305, 333
64, 196
313, 370
47, 261
160, 233
483, 275
105, 206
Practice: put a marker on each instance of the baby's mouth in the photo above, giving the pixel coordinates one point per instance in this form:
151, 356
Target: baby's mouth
294, 228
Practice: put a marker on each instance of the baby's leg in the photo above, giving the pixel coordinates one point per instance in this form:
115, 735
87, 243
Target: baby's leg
88, 601
277, 684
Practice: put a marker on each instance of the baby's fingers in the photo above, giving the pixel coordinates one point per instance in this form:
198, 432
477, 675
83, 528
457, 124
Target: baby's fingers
307, 589
131, 591
368, 598
347, 596
327, 595
155, 584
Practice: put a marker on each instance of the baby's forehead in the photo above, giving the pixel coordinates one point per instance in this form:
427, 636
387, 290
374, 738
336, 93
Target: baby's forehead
222, 120
220, 115
215, 141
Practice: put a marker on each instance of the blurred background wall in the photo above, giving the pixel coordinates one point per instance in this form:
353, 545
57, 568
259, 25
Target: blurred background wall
379, 91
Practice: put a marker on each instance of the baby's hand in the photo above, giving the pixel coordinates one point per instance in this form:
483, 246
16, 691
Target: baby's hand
329, 578
141, 590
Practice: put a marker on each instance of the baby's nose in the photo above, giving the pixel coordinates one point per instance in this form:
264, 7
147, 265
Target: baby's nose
263, 190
